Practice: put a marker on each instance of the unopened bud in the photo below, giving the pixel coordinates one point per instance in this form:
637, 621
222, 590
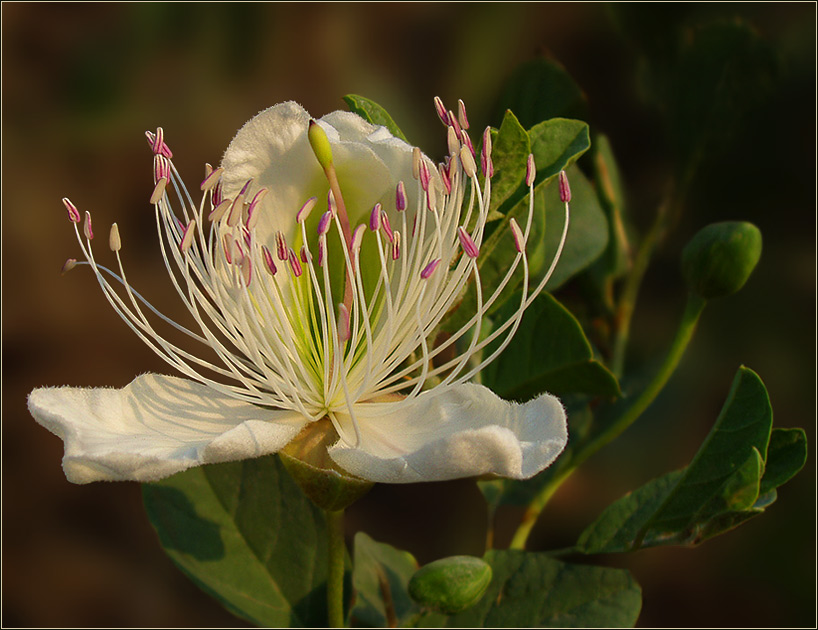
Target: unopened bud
719, 259
451, 585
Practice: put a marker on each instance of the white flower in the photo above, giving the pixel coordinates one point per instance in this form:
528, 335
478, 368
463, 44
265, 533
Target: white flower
318, 265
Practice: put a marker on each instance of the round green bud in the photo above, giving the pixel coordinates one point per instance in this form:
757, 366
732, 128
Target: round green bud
451, 585
719, 259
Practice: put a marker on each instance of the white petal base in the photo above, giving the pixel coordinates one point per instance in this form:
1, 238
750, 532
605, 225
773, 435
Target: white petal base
462, 431
156, 426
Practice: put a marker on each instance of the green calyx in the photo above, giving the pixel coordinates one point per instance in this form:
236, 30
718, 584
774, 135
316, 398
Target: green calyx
451, 585
310, 466
719, 259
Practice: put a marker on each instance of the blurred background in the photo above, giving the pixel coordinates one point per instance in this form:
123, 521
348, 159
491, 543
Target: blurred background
81, 83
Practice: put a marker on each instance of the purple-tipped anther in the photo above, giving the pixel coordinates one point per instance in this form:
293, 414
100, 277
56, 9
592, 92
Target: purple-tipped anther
454, 123
158, 191
386, 226
216, 198
219, 210
305, 254
235, 211
331, 205
305, 210
461, 114
247, 270
157, 142
375, 218
86, 227
73, 213
68, 266
467, 160
395, 245
295, 264
468, 244
356, 239
429, 269
324, 223
400, 197
246, 186
464, 136
161, 168
487, 166
210, 180
229, 250
530, 170
343, 322
565, 188
517, 233
253, 211
441, 111
187, 236
281, 246
452, 141
486, 152
444, 176
269, 263
114, 241
424, 175
322, 249
431, 199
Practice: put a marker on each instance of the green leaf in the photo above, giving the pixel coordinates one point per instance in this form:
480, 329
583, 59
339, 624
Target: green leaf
549, 352
557, 144
533, 589
380, 577
370, 111
541, 89
786, 455
724, 485
245, 534
510, 149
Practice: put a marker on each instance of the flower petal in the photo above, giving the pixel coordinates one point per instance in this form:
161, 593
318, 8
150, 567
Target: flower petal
463, 431
154, 427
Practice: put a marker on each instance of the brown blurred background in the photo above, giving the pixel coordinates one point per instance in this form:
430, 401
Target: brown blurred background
81, 83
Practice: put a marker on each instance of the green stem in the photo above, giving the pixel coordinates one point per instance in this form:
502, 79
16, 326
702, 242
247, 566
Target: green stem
335, 575
630, 290
684, 334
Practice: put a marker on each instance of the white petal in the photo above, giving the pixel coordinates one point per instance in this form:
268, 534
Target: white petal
463, 431
154, 427
273, 149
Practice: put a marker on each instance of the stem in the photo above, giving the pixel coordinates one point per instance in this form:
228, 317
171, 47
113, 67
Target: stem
335, 574
630, 290
535, 508
693, 310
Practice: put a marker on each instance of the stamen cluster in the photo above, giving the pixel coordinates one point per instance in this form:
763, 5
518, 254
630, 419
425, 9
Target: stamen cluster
286, 331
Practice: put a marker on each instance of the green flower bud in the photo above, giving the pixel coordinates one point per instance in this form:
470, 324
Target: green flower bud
451, 585
720, 257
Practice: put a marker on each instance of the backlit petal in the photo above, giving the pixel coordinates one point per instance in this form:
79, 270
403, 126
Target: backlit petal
463, 431
154, 427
